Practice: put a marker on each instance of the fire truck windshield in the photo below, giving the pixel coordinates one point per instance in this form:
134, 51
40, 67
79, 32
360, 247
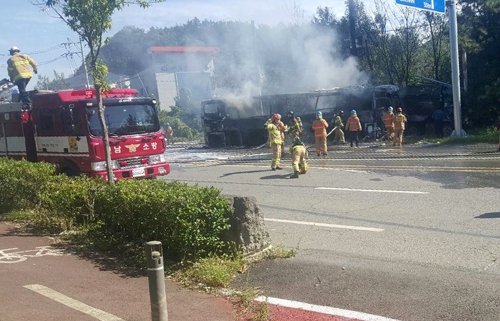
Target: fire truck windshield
124, 120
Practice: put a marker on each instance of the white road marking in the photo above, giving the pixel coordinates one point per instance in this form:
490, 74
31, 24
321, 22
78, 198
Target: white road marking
323, 309
72, 303
358, 228
369, 190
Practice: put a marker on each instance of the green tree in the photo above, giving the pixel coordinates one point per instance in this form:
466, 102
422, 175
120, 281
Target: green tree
90, 19
58, 83
479, 37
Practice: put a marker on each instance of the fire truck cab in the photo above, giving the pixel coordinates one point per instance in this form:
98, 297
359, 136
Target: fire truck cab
63, 128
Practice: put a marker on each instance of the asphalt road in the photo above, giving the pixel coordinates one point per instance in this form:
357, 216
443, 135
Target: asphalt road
411, 234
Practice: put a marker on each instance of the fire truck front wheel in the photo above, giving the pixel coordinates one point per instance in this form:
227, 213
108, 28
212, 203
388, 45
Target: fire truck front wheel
70, 169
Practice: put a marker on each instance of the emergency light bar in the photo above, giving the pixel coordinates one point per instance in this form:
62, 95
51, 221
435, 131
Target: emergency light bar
116, 92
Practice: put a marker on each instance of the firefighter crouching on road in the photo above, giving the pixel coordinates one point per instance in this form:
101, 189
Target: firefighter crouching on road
294, 125
275, 140
299, 158
353, 127
338, 132
388, 119
18, 67
399, 126
319, 126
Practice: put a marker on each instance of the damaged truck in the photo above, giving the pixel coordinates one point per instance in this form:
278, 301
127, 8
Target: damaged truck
239, 121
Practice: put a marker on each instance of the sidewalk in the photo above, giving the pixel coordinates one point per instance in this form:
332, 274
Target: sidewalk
85, 283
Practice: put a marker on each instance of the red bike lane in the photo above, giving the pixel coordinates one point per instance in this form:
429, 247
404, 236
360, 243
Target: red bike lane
41, 281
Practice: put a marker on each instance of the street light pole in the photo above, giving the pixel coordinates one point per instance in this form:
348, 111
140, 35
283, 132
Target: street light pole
455, 76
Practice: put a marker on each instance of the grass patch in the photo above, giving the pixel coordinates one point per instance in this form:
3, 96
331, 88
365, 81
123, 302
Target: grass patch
16, 216
211, 273
274, 252
280, 252
249, 309
485, 136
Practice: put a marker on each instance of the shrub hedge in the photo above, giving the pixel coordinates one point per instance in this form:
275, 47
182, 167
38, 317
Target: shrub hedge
188, 220
21, 183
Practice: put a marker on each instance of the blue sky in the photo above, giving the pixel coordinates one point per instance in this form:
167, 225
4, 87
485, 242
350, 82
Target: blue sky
41, 35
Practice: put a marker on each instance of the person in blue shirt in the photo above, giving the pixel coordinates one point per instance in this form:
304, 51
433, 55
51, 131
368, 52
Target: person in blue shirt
438, 117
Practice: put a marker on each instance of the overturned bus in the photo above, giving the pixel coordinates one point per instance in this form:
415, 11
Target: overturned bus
240, 121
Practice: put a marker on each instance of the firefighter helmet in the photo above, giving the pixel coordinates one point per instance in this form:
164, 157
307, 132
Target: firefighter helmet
276, 117
14, 49
390, 108
319, 114
297, 141
353, 112
290, 113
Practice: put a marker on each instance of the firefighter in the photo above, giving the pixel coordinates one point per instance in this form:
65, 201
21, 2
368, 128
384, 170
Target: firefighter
388, 119
338, 132
353, 127
299, 158
283, 128
399, 127
20, 73
319, 126
294, 125
275, 141
169, 134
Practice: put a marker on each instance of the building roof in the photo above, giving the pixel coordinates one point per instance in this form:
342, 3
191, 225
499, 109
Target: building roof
183, 49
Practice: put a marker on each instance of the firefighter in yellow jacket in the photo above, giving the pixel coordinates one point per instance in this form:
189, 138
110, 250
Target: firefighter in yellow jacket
169, 134
353, 127
399, 127
276, 118
20, 72
294, 125
299, 158
319, 126
388, 119
339, 125
274, 129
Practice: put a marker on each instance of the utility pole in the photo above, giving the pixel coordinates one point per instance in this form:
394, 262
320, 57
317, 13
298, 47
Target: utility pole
352, 27
84, 65
455, 71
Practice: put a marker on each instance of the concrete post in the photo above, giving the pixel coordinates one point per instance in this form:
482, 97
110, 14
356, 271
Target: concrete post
156, 278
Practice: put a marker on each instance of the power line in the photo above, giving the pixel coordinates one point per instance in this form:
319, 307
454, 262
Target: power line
46, 49
64, 55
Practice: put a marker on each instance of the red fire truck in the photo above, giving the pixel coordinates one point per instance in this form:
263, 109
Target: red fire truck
63, 128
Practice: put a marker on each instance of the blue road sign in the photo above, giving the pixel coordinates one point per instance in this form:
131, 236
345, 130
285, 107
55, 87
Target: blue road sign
431, 5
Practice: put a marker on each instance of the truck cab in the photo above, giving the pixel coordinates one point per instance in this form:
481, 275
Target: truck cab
63, 128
